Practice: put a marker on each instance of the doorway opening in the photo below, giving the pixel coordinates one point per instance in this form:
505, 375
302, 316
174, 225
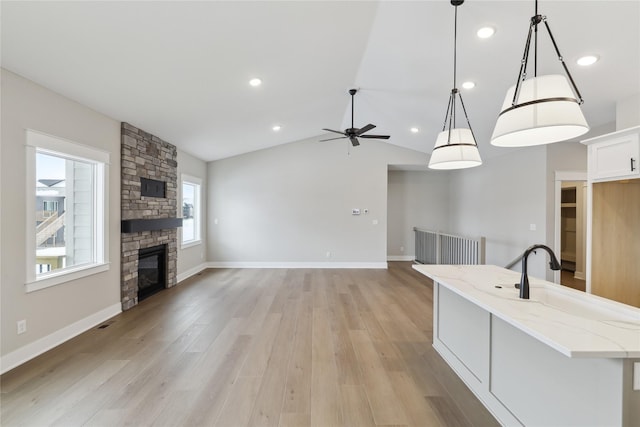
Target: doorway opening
571, 229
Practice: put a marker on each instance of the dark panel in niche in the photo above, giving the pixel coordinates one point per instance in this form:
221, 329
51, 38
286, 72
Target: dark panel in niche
152, 188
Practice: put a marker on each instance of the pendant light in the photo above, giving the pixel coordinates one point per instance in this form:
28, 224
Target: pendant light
455, 148
540, 110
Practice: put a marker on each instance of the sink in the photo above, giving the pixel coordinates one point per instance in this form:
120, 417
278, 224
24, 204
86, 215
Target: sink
575, 304
567, 300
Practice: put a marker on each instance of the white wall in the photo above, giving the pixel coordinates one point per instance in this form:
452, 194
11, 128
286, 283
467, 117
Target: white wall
628, 112
415, 199
292, 204
192, 259
52, 313
500, 200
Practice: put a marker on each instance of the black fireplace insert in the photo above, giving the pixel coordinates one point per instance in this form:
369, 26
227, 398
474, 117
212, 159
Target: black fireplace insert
152, 271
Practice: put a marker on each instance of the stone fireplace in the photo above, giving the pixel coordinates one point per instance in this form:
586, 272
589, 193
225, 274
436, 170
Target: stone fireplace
149, 209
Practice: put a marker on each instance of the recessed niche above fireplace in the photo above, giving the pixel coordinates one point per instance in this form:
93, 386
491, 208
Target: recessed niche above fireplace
152, 188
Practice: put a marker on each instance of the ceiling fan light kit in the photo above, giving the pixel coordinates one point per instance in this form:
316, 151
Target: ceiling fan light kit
540, 110
455, 148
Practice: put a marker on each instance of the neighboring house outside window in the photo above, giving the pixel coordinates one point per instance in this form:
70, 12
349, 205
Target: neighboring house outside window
67, 219
191, 210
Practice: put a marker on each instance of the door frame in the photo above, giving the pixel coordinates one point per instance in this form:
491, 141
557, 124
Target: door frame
559, 177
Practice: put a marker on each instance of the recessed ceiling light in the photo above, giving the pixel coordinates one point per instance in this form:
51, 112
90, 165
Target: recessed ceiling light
468, 85
255, 82
276, 128
486, 32
587, 60
414, 130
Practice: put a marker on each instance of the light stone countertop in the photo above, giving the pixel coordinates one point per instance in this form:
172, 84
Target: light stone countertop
572, 322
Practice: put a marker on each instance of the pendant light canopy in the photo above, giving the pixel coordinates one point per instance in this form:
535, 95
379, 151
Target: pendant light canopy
539, 110
455, 148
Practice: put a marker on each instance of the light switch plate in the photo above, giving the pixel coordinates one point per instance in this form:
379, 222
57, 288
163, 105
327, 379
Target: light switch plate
21, 326
636, 376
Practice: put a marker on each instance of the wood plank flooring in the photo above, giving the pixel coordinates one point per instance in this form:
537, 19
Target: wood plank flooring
567, 279
254, 348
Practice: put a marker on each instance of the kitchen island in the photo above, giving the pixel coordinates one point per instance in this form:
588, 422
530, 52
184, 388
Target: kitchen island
561, 358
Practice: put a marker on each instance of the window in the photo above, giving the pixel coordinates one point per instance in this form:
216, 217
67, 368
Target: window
67, 211
190, 210
50, 208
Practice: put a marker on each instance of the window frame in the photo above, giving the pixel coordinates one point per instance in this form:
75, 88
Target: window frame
197, 210
38, 142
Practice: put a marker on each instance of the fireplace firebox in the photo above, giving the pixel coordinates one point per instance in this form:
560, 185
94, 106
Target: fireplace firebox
152, 271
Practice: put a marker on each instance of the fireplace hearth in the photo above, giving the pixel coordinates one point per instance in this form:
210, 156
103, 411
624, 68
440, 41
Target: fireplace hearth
152, 271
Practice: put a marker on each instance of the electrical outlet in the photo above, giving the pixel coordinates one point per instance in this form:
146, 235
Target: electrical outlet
401, 248
355, 211
22, 326
328, 254
636, 376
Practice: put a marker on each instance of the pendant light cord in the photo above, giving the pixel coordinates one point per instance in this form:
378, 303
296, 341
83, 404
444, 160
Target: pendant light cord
452, 118
455, 46
535, 42
450, 115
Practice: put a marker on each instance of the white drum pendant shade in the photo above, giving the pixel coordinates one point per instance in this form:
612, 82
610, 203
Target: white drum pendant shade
459, 153
554, 114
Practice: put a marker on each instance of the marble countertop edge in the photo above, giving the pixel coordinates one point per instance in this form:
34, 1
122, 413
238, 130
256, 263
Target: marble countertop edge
556, 326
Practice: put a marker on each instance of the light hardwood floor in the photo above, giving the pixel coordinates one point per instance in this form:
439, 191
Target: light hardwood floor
254, 347
567, 279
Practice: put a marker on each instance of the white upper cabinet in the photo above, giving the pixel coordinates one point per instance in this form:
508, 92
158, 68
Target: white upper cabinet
615, 155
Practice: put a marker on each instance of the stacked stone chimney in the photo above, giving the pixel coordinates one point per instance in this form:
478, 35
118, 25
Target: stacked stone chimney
147, 156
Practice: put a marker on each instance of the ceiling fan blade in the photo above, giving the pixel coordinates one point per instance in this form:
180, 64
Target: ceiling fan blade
367, 128
335, 131
332, 139
375, 136
354, 141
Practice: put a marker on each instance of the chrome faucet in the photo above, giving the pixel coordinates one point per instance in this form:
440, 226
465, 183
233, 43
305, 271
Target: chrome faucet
524, 279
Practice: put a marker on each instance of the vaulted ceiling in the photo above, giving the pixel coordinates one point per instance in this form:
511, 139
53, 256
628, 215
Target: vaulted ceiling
180, 70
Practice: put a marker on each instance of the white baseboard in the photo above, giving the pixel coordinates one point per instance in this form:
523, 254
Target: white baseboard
191, 272
36, 348
373, 265
401, 257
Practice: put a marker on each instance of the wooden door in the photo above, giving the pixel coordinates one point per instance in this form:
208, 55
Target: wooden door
615, 253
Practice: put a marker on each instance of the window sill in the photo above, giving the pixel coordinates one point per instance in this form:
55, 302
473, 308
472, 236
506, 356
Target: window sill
65, 276
190, 244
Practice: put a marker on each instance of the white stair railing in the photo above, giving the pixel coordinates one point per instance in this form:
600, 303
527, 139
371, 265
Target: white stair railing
434, 247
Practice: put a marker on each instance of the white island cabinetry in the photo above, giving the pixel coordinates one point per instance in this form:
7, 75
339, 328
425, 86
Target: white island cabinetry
561, 358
